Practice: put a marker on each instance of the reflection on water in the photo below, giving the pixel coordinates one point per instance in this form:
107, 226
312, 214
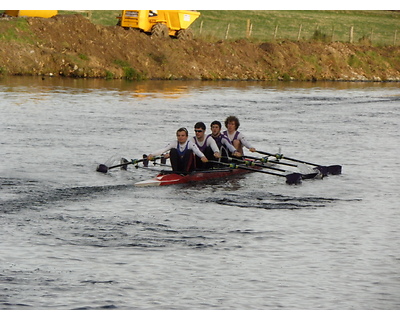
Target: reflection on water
166, 89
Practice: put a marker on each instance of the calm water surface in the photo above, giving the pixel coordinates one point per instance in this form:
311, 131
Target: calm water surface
73, 238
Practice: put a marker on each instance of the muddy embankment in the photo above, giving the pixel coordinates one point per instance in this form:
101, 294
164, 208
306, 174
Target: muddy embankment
72, 46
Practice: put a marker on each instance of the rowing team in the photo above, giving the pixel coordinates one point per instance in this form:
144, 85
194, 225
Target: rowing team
187, 154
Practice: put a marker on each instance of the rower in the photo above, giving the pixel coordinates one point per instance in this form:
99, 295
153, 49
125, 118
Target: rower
181, 152
222, 141
206, 145
236, 138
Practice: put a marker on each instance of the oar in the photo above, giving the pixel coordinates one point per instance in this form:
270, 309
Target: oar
291, 178
334, 169
265, 160
163, 161
104, 169
305, 175
253, 163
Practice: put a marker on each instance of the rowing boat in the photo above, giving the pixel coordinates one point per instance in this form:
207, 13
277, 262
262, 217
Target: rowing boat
169, 177
238, 166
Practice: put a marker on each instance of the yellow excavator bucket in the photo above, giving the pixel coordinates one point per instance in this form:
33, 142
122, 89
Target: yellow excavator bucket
180, 19
31, 13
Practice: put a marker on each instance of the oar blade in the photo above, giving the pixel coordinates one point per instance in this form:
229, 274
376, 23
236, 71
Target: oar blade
309, 175
332, 170
145, 161
102, 168
323, 170
293, 178
335, 170
124, 163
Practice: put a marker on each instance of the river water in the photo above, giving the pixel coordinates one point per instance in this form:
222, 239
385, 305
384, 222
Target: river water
74, 238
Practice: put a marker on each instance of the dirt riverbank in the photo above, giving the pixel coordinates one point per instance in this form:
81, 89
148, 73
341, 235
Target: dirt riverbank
72, 46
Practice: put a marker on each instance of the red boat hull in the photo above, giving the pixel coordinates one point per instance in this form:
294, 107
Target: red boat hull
174, 178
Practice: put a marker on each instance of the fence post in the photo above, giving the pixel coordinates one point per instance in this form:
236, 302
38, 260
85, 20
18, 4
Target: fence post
298, 36
227, 31
351, 34
248, 28
275, 31
201, 27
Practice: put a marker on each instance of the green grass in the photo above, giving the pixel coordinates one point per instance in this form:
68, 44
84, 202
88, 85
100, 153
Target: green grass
11, 33
83, 57
382, 24
377, 27
121, 63
129, 72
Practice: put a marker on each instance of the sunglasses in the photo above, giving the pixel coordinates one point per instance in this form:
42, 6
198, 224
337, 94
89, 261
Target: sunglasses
198, 131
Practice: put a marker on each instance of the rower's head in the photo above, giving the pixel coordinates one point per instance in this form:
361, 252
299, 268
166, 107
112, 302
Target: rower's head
216, 128
232, 123
200, 129
182, 135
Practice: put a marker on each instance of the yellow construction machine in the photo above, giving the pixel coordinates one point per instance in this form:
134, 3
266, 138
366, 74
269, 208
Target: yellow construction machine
160, 23
31, 13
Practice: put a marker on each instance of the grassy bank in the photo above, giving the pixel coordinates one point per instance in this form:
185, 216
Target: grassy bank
73, 45
376, 27
369, 27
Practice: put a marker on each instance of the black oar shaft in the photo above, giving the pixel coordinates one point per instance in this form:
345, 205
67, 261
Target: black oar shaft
292, 178
252, 163
287, 158
120, 165
272, 161
104, 169
334, 169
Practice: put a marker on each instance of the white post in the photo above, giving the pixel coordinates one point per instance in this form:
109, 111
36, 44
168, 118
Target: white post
227, 31
275, 31
351, 34
248, 28
299, 34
